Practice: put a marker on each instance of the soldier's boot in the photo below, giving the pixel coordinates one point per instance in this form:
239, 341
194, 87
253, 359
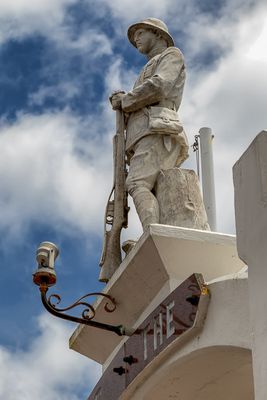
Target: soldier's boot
146, 206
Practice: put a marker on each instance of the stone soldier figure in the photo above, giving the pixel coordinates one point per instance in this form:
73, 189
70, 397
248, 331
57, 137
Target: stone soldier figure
155, 138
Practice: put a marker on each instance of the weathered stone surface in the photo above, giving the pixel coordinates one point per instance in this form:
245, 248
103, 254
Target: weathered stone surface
163, 257
180, 200
155, 138
155, 141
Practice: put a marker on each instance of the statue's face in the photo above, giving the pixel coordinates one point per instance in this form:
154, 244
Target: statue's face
145, 40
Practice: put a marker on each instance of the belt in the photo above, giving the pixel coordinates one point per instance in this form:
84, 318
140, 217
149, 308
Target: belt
165, 103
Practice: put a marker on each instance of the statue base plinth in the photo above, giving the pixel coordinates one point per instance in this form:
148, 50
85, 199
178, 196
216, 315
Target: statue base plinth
162, 258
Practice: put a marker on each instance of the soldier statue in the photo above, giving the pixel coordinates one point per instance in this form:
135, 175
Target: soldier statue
155, 139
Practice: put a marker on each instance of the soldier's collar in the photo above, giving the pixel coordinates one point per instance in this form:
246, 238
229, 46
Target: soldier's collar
156, 51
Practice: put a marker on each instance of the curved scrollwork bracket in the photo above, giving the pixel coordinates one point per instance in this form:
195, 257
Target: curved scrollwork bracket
87, 314
45, 276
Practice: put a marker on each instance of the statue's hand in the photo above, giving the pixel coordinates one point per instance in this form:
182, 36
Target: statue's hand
115, 99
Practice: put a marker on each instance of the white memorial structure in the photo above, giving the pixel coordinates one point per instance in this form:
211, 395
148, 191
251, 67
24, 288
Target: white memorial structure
197, 319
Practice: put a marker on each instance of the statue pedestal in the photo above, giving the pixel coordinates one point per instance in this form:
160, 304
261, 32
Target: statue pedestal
180, 200
224, 357
145, 287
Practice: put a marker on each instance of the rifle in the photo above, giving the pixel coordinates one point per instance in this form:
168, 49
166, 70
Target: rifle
116, 213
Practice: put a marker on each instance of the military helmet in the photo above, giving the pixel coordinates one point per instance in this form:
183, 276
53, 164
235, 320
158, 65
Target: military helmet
151, 23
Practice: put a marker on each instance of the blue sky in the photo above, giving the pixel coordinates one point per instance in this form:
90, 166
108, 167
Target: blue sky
60, 59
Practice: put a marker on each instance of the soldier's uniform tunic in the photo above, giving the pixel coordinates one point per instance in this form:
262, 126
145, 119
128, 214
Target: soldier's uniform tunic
160, 84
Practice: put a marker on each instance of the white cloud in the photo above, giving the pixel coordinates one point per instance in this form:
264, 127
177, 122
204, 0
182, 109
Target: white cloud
63, 90
117, 78
23, 17
20, 19
54, 168
131, 10
255, 52
47, 370
231, 99
90, 43
88, 48
19, 7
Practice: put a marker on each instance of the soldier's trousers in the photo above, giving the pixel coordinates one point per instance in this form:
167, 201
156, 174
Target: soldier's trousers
150, 155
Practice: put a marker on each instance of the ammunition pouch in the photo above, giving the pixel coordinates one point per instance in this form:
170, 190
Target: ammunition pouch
163, 120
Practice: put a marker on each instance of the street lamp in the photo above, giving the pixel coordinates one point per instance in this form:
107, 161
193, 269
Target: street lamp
45, 276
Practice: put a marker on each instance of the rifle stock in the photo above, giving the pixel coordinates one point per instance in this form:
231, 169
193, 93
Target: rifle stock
117, 207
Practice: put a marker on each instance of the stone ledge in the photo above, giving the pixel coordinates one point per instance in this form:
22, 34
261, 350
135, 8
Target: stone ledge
164, 254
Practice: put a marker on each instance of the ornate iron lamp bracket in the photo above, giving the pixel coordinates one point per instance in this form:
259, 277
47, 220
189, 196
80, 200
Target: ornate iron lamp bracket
87, 314
45, 276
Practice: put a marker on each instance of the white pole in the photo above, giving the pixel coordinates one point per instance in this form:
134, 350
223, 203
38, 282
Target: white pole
207, 174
